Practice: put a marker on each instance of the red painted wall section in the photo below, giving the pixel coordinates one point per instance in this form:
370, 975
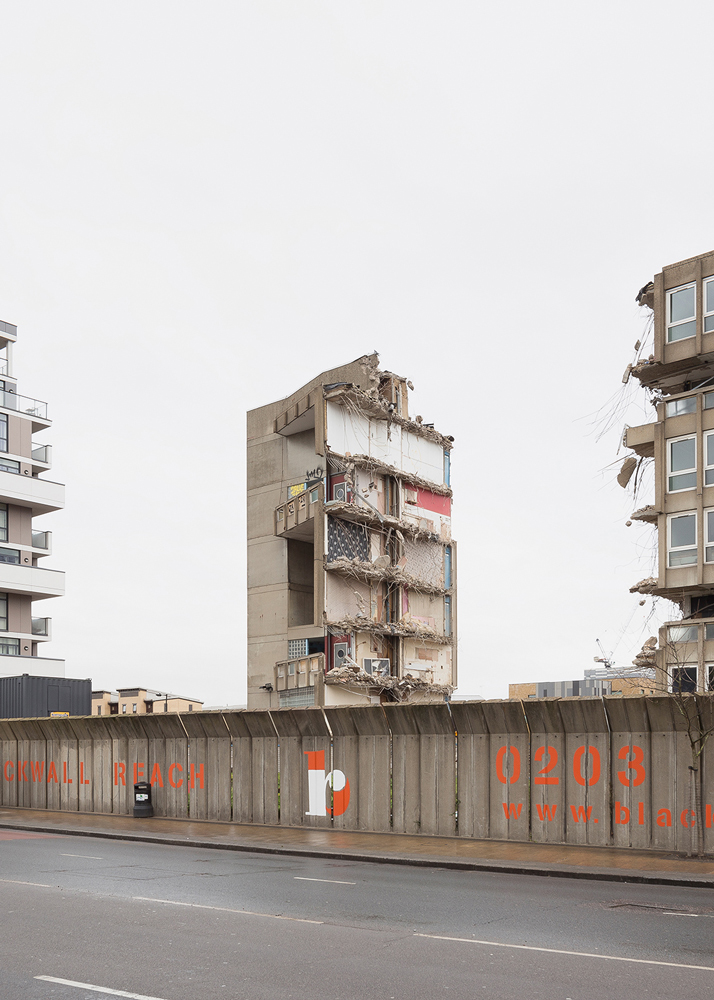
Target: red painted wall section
434, 502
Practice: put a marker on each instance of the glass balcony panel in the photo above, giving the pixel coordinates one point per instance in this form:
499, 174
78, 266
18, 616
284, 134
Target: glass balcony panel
40, 540
40, 453
40, 626
23, 404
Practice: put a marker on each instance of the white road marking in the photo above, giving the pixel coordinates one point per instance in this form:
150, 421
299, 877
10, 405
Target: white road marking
333, 881
97, 989
674, 913
560, 951
14, 881
225, 909
90, 857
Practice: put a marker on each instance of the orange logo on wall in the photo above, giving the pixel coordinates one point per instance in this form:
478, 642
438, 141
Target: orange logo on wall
318, 783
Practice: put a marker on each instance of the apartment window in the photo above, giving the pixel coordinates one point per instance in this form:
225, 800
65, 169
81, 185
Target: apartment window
7, 465
447, 568
710, 676
681, 313
684, 679
3, 432
123, 708
9, 647
708, 400
3, 522
9, 555
709, 459
682, 633
709, 537
708, 305
447, 466
133, 708
676, 407
682, 540
3, 612
709, 631
447, 616
681, 464
190, 708
99, 709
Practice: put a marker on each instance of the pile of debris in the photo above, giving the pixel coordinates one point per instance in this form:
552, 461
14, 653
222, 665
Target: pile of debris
349, 674
647, 586
406, 626
372, 403
392, 574
369, 515
647, 655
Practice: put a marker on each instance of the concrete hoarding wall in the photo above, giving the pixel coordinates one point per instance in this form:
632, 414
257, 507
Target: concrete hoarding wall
613, 771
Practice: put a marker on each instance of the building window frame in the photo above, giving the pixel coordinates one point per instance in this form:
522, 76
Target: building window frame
682, 551
708, 305
684, 678
685, 325
709, 458
673, 475
684, 404
708, 534
4, 602
9, 647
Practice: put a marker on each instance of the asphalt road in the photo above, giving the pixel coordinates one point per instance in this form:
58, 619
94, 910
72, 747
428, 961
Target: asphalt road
179, 923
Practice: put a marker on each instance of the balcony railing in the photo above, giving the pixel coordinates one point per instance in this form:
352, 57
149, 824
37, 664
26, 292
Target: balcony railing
298, 509
41, 626
306, 671
41, 539
23, 404
42, 453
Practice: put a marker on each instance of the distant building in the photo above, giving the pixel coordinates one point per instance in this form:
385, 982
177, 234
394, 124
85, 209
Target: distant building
595, 683
141, 701
24, 496
351, 564
678, 378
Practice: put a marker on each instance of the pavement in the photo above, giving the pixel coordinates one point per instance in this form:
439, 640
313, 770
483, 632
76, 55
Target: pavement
506, 857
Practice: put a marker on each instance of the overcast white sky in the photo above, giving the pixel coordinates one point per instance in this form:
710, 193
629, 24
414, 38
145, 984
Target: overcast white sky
203, 205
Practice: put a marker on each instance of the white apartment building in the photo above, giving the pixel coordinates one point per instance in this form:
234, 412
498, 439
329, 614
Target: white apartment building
24, 495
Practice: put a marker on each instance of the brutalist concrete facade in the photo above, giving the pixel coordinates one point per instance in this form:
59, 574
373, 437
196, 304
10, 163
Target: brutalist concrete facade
351, 563
678, 377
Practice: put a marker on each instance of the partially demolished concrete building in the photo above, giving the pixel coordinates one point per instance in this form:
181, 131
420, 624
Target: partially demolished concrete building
679, 379
351, 564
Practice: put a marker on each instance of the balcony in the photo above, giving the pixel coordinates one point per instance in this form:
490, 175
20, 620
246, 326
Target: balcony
42, 540
42, 628
304, 672
42, 456
294, 518
33, 581
641, 440
8, 333
25, 405
29, 491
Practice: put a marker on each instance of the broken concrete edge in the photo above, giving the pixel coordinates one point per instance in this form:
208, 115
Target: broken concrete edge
412, 629
370, 402
394, 574
347, 676
382, 468
364, 515
533, 868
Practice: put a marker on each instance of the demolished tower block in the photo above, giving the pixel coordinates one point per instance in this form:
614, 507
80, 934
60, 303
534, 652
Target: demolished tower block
679, 379
351, 564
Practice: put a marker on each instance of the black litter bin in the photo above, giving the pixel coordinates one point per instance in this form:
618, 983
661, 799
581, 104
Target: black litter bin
142, 800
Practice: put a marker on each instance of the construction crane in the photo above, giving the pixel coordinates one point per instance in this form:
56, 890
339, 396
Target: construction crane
605, 660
